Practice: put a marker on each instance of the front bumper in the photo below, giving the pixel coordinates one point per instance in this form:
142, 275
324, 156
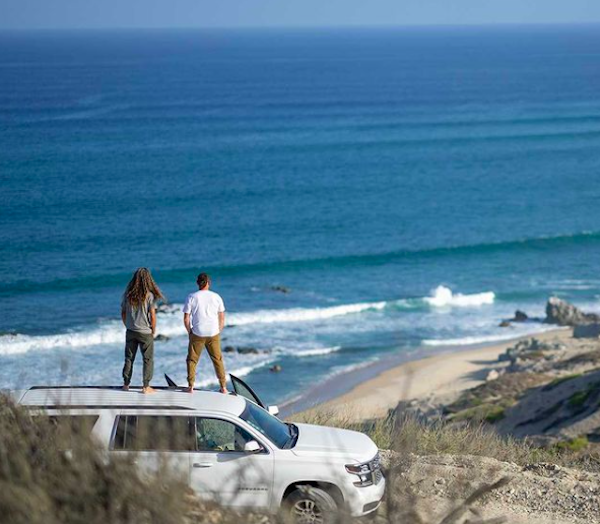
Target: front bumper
362, 501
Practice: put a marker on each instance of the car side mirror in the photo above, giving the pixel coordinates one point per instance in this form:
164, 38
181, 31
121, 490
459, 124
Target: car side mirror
273, 410
252, 447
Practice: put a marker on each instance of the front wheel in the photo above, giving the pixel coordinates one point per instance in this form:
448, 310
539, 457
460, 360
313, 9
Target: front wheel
308, 505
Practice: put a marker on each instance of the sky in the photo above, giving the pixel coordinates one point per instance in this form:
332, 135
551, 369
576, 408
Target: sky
80, 14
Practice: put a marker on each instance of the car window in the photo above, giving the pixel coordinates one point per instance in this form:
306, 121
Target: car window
65, 429
220, 435
76, 424
267, 424
155, 433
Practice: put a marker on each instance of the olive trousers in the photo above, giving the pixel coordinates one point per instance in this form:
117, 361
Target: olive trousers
145, 341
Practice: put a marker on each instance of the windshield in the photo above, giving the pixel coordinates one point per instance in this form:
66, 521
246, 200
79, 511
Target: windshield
271, 427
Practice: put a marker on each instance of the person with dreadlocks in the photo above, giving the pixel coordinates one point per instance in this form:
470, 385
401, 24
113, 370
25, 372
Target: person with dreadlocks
138, 312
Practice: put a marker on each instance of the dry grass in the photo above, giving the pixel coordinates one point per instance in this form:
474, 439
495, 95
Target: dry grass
42, 483
410, 435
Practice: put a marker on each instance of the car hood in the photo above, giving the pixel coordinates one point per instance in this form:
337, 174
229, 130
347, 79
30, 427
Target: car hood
333, 442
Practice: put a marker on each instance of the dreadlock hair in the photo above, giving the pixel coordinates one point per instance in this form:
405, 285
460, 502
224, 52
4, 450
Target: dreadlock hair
140, 285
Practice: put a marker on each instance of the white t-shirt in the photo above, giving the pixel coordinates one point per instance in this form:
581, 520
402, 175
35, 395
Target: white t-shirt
204, 308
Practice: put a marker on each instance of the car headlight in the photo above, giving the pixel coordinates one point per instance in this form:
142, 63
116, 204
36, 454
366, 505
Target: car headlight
367, 472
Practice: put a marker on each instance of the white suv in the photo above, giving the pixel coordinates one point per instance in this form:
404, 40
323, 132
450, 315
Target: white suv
229, 448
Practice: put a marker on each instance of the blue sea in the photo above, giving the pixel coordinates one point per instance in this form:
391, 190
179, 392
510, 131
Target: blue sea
409, 187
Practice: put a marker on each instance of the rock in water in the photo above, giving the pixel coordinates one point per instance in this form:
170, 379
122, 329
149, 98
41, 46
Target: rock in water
564, 314
161, 338
168, 308
247, 351
520, 316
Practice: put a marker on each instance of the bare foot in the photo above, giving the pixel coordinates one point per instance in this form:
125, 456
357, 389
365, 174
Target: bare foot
189, 389
148, 390
125, 387
224, 391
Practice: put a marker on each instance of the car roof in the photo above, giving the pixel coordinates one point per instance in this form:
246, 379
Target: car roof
106, 397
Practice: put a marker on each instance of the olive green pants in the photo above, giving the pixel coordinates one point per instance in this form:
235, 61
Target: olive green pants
133, 340
213, 346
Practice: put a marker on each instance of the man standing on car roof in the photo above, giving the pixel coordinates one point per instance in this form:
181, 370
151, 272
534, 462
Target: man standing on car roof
204, 319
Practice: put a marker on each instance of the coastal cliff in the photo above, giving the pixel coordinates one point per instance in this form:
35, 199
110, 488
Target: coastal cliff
525, 413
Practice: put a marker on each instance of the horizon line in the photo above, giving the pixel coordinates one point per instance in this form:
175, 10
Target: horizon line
304, 27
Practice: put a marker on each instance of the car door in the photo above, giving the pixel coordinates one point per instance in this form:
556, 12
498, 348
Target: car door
222, 471
157, 443
244, 390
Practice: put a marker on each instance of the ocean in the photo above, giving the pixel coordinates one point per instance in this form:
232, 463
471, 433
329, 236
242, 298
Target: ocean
409, 188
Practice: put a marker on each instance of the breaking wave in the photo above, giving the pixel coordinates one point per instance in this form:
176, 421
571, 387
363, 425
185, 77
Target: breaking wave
276, 316
444, 297
317, 351
469, 341
170, 323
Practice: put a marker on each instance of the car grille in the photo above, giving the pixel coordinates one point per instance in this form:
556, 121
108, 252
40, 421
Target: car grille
375, 467
377, 476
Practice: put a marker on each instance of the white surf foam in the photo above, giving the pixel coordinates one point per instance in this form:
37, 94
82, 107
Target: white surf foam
443, 296
467, 341
109, 333
317, 351
486, 339
238, 372
170, 324
342, 370
277, 316
15, 344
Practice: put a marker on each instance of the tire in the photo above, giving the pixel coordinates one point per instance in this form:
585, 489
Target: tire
309, 505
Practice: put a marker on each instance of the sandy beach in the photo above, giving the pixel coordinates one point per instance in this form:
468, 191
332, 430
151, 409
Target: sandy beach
440, 377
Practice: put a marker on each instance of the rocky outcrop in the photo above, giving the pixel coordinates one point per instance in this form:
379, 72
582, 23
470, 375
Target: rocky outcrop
562, 313
525, 353
549, 392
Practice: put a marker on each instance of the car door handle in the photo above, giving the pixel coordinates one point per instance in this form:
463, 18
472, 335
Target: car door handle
202, 464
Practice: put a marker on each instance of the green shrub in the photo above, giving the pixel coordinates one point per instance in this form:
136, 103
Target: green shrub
577, 400
575, 445
494, 415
